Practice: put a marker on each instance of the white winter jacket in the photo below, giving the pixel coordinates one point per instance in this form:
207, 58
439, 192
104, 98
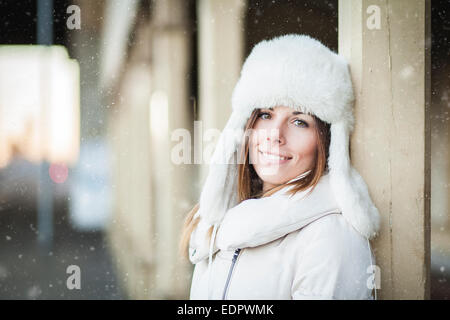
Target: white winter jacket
282, 247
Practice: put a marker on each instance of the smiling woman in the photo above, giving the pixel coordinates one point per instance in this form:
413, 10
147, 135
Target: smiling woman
293, 219
302, 140
285, 143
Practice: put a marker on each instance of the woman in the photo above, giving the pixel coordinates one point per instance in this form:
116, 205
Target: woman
292, 218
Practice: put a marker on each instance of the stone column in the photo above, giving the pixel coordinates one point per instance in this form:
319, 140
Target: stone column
221, 48
169, 111
387, 44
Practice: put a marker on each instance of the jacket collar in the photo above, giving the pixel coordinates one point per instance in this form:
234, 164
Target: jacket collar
255, 222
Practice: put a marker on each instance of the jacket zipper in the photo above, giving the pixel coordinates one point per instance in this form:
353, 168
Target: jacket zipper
233, 262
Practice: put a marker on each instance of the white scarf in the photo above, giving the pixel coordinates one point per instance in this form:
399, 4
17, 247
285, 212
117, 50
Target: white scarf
254, 222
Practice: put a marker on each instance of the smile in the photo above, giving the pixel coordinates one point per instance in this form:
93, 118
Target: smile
270, 157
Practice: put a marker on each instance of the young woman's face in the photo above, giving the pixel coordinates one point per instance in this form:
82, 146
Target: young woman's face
282, 145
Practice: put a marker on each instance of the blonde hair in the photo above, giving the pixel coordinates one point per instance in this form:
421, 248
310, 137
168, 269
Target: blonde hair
250, 185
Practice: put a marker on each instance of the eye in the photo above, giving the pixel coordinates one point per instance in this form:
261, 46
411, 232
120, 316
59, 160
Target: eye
264, 115
300, 123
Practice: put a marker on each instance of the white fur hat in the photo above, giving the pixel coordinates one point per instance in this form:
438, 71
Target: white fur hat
300, 72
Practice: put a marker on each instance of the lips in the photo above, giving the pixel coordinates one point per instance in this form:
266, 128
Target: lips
270, 157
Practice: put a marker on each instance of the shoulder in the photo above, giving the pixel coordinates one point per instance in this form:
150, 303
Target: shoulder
333, 232
332, 260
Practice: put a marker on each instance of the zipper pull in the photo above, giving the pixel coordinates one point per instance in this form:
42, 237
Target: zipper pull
236, 253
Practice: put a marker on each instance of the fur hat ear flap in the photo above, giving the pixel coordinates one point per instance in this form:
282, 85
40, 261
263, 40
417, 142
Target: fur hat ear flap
350, 190
219, 191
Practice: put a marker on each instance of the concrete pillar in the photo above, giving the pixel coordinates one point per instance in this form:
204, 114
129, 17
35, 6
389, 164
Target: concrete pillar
130, 230
220, 48
169, 111
387, 44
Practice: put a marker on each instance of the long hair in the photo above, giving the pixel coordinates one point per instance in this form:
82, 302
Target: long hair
249, 183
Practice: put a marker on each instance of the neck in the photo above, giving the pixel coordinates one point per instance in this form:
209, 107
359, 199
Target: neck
267, 186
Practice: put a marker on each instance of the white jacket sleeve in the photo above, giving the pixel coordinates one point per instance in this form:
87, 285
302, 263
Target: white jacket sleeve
331, 262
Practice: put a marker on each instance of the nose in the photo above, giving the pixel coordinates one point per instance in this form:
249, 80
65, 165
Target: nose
275, 135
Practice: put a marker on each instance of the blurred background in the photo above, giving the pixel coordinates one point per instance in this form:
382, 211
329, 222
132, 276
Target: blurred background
90, 92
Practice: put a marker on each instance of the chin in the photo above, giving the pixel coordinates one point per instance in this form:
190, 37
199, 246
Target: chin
272, 178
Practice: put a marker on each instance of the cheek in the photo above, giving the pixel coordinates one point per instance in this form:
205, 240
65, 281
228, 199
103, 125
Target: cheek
305, 147
256, 137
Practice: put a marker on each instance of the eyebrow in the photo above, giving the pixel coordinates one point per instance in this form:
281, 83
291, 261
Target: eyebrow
294, 113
